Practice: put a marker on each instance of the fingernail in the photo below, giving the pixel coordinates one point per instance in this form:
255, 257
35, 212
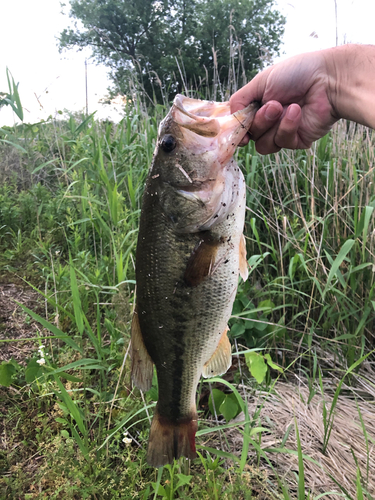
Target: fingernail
292, 113
272, 112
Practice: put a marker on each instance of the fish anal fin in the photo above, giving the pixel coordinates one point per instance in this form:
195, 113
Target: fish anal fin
142, 365
201, 262
169, 440
221, 359
244, 271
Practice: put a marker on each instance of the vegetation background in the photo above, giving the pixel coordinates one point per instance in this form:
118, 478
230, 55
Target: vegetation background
72, 425
160, 48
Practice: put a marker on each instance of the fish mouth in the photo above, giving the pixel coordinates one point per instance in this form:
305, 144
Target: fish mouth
210, 126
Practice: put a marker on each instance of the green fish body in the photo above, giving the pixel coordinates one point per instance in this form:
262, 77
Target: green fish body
190, 253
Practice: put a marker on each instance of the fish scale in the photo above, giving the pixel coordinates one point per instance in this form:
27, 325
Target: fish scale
189, 255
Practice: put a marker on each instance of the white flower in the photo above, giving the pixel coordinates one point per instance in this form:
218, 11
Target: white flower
41, 361
126, 440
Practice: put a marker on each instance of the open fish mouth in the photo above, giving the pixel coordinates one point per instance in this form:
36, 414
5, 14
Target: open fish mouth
211, 125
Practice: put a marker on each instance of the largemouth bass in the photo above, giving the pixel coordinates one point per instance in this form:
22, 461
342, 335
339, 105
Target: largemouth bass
190, 252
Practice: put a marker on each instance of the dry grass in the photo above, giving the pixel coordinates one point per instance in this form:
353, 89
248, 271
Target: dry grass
14, 323
287, 405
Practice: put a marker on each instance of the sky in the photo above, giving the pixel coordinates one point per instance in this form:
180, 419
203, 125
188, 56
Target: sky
50, 82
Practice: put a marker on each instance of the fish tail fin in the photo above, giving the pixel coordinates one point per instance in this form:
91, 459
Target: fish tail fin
169, 440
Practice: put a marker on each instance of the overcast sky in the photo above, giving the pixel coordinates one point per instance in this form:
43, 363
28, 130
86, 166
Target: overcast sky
50, 81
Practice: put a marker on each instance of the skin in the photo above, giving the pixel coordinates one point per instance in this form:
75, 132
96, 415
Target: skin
302, 97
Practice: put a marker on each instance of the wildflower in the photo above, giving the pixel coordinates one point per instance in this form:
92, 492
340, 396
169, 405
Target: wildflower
42, 360
126, 439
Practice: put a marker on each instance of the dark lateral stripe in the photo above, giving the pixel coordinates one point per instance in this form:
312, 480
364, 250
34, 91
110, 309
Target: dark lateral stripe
177, 370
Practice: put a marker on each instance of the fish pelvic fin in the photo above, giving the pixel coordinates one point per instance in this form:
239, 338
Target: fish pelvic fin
221, 359
142, 364
171, 440
244, 270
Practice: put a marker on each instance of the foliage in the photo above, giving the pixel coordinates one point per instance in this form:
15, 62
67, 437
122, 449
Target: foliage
167, 47
12, 98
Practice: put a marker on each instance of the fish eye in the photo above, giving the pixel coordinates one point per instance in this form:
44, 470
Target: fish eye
168, 143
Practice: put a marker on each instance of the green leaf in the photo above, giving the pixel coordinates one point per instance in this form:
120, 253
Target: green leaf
159, 490
237, 330
13, 98
43, 165
73, 409
267, 306
219, 453
78, 313
257, 365
183, 480
232, 388
345, 249
301, 469
229, 408
33, 371
259, 325
218, 397
52, 328
7, 370
17, 146
272, 364
257, 430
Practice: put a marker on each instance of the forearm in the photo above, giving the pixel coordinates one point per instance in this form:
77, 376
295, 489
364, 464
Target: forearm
351, 70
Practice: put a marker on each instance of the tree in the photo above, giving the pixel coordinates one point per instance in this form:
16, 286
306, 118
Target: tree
164, 46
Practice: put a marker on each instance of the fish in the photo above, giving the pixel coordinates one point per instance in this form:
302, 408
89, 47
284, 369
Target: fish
190, 253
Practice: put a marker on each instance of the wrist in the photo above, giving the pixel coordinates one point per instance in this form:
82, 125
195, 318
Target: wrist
351, 82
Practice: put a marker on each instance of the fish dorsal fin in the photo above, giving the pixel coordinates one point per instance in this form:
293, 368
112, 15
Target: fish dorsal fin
221, 359
142, 364
201, 262
244, 272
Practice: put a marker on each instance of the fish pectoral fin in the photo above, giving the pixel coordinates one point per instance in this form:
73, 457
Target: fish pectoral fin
201, 262
221, 359
142, 364
244, 271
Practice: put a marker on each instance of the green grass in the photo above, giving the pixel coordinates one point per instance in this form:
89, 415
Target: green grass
69, 211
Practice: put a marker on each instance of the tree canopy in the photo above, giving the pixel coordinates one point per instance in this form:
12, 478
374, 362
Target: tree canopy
159, 46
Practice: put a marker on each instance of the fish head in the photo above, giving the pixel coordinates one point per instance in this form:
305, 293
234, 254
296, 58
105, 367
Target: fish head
193, 164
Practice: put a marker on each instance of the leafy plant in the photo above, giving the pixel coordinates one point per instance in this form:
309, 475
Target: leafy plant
12, 98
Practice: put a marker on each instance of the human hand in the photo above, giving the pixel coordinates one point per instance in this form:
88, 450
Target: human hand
297, 105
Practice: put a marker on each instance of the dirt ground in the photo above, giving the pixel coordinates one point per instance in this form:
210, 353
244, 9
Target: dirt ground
15, 324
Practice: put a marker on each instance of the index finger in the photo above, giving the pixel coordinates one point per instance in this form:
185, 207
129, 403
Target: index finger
252, 91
